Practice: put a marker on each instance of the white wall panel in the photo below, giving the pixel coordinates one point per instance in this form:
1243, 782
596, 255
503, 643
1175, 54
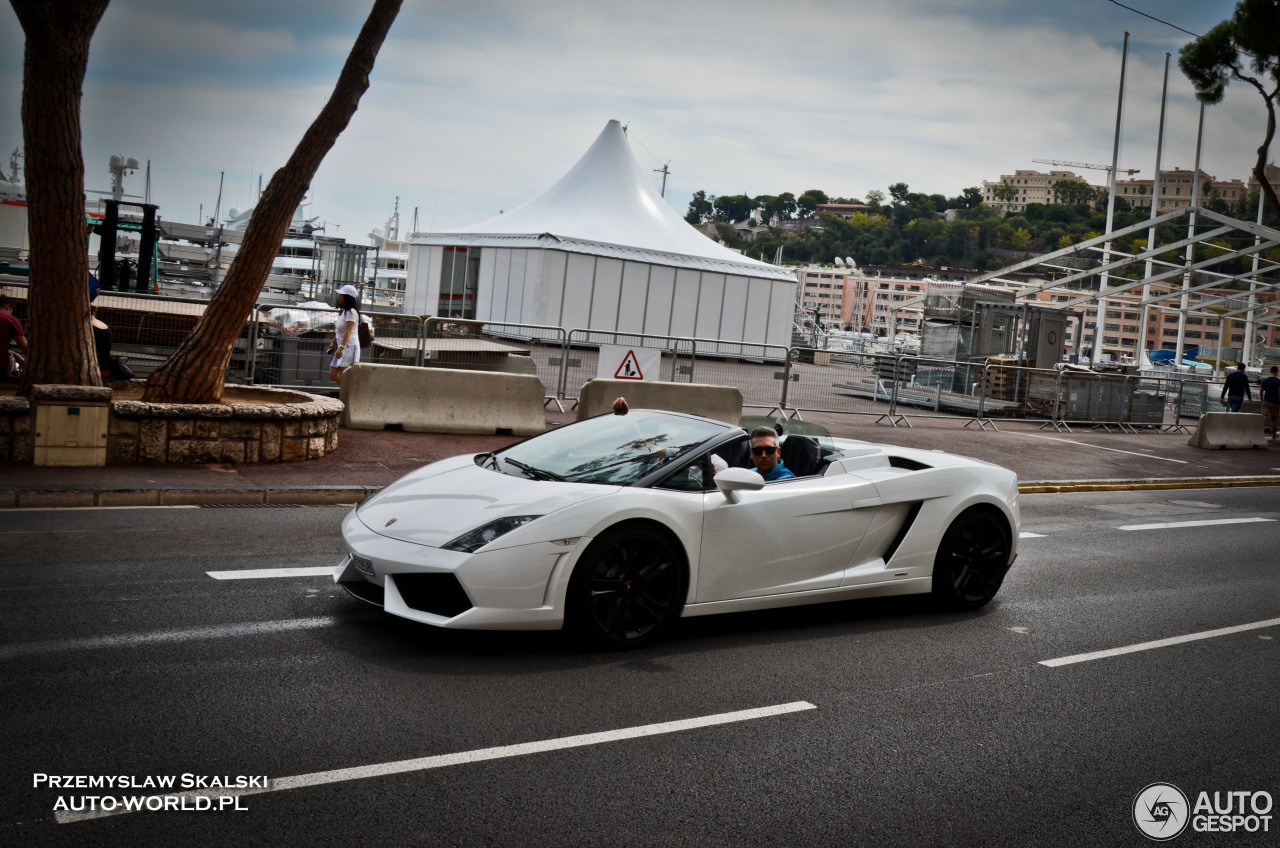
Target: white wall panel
635, 292
491, 288
782, 306
710, 305
756, 326
734, 312
551, 290
529, 299
657, 312
422, 282
684, 302
578, 281
607, 292
515, 286
493, 274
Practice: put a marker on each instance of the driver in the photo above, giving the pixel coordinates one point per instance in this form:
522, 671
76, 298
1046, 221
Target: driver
765, 456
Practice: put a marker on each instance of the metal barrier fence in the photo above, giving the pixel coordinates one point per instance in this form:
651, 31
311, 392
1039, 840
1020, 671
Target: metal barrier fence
899, 388
288, 347
536, 349
146, 329
580, 361
1197, 398
292, 344
942, 388
760, 372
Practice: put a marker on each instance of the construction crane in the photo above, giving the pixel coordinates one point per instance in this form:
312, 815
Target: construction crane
1085, 165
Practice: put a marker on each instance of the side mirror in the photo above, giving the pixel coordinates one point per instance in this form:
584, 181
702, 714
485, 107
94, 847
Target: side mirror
734, 480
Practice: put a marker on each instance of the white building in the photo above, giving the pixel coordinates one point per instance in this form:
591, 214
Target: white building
600, 250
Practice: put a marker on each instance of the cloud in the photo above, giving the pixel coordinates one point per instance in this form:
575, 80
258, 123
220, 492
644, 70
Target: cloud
476, 107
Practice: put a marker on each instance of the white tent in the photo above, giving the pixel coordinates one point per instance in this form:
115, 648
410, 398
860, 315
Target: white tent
600, 250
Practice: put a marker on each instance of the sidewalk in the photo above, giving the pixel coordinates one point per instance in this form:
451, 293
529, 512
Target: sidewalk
367, 460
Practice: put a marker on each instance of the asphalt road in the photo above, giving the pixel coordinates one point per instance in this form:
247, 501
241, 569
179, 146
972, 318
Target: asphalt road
896, 725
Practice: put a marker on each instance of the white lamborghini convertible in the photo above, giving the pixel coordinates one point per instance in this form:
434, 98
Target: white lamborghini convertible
618, 525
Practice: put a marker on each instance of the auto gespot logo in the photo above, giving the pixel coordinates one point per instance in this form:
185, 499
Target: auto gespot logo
1162, 811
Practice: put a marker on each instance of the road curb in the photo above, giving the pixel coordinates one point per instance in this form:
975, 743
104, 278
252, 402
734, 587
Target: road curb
275, 496
1155, 484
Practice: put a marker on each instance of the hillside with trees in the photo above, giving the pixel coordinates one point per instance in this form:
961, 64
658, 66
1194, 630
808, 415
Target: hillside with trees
906, 227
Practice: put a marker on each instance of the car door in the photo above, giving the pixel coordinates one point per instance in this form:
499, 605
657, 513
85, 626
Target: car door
791, 536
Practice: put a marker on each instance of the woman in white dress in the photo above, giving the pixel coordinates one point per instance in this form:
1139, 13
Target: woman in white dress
346, 338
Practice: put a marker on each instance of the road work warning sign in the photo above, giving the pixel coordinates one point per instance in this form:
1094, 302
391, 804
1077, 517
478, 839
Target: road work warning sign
619, 362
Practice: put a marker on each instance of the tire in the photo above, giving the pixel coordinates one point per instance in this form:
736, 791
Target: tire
628, 589
972, 560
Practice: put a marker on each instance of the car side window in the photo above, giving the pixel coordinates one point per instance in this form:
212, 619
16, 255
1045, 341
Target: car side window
694, 476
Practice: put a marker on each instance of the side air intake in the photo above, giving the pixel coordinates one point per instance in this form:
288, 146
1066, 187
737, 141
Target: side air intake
902, 531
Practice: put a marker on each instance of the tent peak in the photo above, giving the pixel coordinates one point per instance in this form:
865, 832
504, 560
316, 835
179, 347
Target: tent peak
608, 197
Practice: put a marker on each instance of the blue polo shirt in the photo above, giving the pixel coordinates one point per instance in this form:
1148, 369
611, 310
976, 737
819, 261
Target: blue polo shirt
779, 472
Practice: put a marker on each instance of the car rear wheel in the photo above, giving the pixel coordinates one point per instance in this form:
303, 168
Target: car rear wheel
972, 559
628, 588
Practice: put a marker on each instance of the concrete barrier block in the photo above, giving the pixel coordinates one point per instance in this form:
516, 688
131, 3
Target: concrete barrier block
441, 400
723, 403
1233, 430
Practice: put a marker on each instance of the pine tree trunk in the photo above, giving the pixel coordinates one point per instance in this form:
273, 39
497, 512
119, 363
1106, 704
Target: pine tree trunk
1260, 167
53, 68
195, 372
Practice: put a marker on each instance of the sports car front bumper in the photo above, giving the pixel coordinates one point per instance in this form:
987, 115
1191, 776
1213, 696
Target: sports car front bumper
518, 588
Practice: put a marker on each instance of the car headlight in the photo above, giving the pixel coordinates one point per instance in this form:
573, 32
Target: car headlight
483, 535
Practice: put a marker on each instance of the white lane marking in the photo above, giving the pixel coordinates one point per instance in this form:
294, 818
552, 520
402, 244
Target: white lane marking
319, 778
80, 508
1100, 447
1029, 535
97, 530
259, 573
1173, 525
133, 640
1160, 643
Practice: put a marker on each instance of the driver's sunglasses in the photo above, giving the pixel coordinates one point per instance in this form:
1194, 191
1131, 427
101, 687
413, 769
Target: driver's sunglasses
764, 450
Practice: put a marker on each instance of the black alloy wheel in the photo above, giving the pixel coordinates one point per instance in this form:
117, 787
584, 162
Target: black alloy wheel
628, 588
972, 559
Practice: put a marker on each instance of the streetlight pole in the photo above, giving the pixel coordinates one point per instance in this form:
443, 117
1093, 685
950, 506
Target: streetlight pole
1191, 231
1145, 314
1101, 321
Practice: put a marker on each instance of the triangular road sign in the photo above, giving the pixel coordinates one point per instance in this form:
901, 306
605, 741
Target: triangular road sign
629, 369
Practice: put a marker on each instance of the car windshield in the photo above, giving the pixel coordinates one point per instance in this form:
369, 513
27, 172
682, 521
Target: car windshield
611, 449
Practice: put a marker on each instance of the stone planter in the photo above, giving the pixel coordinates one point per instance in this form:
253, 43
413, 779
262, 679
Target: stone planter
15, 429
282, 426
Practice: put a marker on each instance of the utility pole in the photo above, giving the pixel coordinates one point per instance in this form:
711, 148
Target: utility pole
664, 171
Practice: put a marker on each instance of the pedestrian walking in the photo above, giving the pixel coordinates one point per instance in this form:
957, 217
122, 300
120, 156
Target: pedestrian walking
346, 338
1236, 389
10, 331
1269, 390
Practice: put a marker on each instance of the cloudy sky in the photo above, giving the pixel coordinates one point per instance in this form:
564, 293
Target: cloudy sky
478, 105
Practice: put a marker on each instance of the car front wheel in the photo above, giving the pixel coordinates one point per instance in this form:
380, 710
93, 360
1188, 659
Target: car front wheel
972, 559
628, 588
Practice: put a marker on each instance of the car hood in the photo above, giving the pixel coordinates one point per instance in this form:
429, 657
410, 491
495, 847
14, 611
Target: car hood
436, 504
